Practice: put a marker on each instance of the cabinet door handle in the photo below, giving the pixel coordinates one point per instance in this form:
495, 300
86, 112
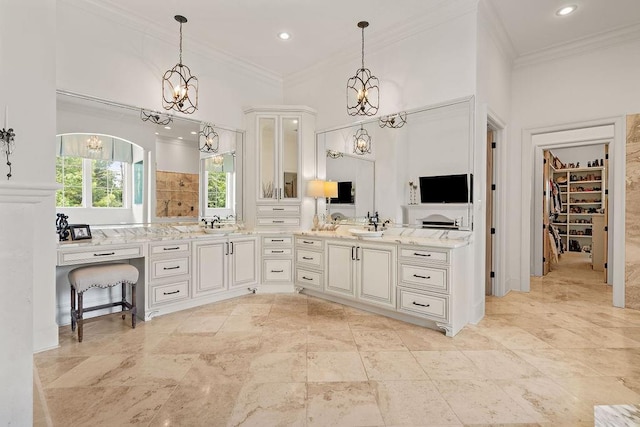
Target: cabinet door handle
231, 252
277, 240
171, 293
171, 268
309, 258
105, 254
276, 252
278, 209
277, 271
421, 305
171, 249
307, 278
307, 242
278, 222
419, 254
226, 251
421, 277
357, 253
353, 257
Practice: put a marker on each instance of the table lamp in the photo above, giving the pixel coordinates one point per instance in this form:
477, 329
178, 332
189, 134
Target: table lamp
315, 189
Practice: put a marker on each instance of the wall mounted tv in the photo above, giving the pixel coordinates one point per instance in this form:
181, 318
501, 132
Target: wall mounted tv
446, 189
344, 193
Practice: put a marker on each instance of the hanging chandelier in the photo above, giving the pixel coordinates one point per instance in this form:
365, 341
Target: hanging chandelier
218, 160
361, 142
362, 89
209, 140
94, 144
179, 87
394, 121
155, 117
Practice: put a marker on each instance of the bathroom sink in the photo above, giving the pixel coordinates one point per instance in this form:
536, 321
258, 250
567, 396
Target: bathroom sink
221, 230
362, 232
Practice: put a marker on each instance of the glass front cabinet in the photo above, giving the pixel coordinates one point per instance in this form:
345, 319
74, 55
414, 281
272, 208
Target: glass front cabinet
278, 158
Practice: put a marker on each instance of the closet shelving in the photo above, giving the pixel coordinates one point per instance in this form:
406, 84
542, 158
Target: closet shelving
582, 195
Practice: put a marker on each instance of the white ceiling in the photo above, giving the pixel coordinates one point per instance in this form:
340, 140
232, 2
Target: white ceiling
320, 29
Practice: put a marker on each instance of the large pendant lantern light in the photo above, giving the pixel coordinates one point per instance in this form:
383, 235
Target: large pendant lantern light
362, 89
179, 87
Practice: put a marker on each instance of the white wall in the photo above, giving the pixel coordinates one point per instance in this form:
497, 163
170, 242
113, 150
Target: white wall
106, 55
177, 156
27, 238
575, 87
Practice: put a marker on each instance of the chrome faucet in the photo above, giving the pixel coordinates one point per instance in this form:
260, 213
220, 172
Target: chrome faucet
374, 220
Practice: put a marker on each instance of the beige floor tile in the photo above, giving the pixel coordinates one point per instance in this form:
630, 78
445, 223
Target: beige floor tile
413, 403
609, 361
105, 406
342, 404
212, 369
278, 367
471, 338
392, 365
563, 338
605, 337
556, 363
447, 364
284, 309
344, 366
277, 341
201, 324
483, 402
331, 340
292, 322
187, 344
368, 323
51, 368
247, 309
501, 364
291, 299
425, 339
222, 308
204, 406
270, 404
599, 390
378, 340
328, 322
243, 323
513, 337
548, 399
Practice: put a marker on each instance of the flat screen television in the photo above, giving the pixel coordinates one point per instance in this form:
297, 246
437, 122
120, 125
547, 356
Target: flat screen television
446, 188
344, 193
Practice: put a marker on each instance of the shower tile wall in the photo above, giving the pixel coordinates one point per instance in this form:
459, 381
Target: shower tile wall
632, 214
176, 194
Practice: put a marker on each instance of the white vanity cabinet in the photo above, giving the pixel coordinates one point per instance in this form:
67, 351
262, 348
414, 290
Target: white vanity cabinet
223, 264
433, 285
362, 270
277, 261
310, 263
169, 272
280, 155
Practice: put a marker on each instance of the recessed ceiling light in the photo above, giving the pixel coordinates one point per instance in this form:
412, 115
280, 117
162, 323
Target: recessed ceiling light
157, 133
179, 137
167, 127
193, 132
284, 35
566, 10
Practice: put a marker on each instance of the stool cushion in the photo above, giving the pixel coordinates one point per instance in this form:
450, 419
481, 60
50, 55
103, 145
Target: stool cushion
102, 276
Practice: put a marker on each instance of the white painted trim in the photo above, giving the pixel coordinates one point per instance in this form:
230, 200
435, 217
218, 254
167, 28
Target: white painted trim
25, 192
490, 20
617, 171
286, 288
599, 41
279, 109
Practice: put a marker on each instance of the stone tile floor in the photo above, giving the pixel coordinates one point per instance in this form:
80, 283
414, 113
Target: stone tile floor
540, 358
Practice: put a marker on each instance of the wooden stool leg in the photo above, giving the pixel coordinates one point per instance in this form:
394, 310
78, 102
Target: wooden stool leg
73, 309
134, 310
124, 298
80, 319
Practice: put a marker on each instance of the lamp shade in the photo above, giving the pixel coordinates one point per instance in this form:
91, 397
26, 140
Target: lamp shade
330, 189
315, 188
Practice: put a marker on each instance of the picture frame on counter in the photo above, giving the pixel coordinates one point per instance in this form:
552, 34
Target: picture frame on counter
80, 231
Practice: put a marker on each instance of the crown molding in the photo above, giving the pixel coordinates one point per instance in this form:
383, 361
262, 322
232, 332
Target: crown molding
148, 28
27, 192
440, 14
489, 19
575, 47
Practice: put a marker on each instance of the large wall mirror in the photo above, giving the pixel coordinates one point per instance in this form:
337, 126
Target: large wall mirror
165, 177
420, 171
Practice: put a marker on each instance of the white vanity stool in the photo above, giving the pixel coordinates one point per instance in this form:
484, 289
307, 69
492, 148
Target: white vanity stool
102, 276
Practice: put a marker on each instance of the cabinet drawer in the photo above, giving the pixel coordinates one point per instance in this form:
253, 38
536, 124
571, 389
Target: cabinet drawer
432, 306
277, 241
432, 278
169, 249
309, 243
277, 251
169, 267
99, 254
277, 209
425, 255
170, 292
279, 221
307, 278
276, 270
309, 257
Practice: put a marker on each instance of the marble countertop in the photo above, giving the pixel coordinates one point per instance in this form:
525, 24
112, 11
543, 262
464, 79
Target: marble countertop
157, 233
407, 236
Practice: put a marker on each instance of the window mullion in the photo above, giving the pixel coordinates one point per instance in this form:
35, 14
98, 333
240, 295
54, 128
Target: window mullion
87, 183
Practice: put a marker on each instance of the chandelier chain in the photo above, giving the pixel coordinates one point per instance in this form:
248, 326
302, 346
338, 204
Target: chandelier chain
181, 43
363, 48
